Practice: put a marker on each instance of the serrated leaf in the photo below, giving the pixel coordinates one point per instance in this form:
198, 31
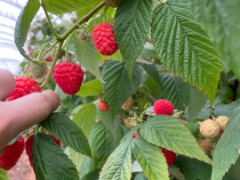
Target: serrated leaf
101, 141
3, 174
196, 102
87, 56
85, 118
219, 19
118, 87
83, 10
91, 88
50, 162
151, 159
67, 6
184, 47
132, 25
23, 23
175, 90
170, 133
118, 165
228, 147
70, 134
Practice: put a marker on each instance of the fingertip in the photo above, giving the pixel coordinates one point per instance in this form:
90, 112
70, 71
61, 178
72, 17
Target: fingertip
7, 83
53, 97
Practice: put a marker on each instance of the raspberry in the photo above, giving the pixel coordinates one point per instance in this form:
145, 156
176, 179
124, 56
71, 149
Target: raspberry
49, 59
24, 86
222, 122
205, 144
103, 106
134, 136
112, 3
69, 77
163, 106
29, 146
170, 156
209, 128
127, 105
103, 39
11, 154
130, 122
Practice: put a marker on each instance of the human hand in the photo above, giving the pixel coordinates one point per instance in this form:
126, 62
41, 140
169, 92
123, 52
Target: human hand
20, 114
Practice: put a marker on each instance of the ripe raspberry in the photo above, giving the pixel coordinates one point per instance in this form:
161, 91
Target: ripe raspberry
112, 3
49, 59
11, 154
209, 128
134, 136
24, 86
104, 40
69, 77
163, 106
29, 146
205, 144
222, 122
170, 156
103, 106
127, 105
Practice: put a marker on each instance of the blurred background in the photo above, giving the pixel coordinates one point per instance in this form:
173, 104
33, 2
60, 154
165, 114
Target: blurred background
9, 57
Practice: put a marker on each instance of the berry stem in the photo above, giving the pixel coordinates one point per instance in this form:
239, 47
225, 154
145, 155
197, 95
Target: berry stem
44, 85
49, 21
81, 21
43, 53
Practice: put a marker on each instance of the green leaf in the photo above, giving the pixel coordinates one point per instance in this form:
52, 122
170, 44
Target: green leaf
151, 159
49, 160
23, 23
3, 174
91, 88
184, 47
219, 19
87, 56
175, 90
101, 141
140, 176
152, 71
194, 169
88, 166
83, 10
70, 134
228, 147
132, 25
196, 103
85, 118
170, 133
67, 6
118, 165
225, 109
118, 87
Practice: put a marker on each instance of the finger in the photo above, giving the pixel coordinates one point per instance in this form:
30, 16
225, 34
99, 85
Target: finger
7, 84
24, 112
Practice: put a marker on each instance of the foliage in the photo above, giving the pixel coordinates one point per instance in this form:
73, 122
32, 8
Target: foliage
185, 51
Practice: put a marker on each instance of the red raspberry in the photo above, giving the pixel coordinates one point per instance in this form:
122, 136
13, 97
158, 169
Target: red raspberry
69, 77
163, 106
29, 146
103, 106
24, 86
104, 40
11, 154
49, 59
170, 156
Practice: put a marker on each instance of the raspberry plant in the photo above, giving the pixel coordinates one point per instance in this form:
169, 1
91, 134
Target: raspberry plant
170, 51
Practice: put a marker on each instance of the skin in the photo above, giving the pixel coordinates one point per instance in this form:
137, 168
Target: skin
20, 114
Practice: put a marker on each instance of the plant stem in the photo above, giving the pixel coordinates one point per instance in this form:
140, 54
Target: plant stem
82, 20
49, 21
45, 83
42, 54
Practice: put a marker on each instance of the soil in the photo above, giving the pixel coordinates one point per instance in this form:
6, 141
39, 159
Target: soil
22, 170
